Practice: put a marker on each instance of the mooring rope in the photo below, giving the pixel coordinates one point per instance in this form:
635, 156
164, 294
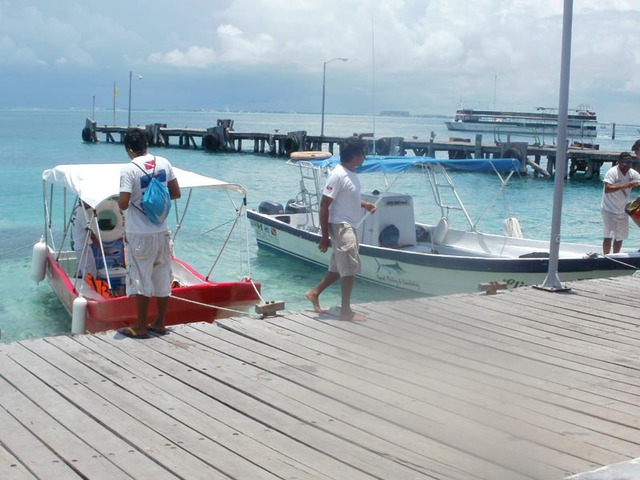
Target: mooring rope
239, 312
3, 254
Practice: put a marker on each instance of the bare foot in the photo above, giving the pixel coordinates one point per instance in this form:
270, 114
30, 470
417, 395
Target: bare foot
350, 315
315, 301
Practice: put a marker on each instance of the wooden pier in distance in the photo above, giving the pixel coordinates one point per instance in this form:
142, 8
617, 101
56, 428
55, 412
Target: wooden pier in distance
520, 385
582, 158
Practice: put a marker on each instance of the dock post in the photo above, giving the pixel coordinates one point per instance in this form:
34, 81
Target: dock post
478, 151
89, 133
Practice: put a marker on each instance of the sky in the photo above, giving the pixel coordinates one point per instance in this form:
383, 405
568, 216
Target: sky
422, 56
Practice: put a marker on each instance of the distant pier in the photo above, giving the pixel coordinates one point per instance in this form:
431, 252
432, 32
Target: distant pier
581, 158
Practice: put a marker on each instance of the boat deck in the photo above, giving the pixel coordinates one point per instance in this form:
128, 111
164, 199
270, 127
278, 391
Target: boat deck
524, 384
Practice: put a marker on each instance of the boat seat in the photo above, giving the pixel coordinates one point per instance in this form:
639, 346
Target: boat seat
439, 232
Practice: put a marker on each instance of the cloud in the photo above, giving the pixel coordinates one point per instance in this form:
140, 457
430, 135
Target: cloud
425, 55
194, 56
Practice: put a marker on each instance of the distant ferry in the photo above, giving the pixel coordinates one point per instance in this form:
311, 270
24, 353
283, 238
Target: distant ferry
580, 122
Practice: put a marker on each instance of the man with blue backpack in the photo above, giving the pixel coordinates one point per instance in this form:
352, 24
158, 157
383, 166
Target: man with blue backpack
147, 186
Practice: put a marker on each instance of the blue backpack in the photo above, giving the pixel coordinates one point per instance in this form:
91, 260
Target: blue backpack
156, 200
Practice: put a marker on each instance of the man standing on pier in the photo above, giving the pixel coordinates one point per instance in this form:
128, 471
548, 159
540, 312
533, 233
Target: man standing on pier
618, 182
148, 250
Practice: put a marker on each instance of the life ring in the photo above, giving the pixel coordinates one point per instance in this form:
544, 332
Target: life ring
87, 135
310, 155
110, 220
291, 144
211, 142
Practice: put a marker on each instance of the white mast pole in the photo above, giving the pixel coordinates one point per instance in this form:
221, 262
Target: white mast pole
552, 282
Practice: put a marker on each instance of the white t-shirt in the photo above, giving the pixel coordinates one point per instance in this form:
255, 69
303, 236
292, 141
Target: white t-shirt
134, 181
343, 186
615, 202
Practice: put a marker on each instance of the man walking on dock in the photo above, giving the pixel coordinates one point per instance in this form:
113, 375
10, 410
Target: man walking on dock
340, 212
618, 182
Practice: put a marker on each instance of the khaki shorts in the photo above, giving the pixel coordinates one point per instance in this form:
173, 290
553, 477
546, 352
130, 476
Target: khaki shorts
345, 259
616, 225
148, 259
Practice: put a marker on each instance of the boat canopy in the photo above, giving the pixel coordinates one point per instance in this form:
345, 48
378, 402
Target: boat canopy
394, 164
94, 183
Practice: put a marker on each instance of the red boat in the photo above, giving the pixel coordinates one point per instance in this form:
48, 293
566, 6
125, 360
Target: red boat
99, 302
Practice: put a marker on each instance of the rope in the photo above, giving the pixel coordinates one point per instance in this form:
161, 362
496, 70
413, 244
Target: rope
240, 312
617, 261
4, 254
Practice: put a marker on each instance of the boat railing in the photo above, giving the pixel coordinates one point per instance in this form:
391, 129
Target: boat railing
310, 189
445, 193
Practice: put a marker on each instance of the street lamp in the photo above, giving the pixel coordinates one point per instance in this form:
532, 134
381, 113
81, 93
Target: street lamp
139, 78
324, 77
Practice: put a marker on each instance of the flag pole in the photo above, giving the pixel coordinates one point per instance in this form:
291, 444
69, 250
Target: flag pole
115, 94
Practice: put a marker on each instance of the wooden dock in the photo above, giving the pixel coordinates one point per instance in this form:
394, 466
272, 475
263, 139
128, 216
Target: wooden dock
581, 158
524, 384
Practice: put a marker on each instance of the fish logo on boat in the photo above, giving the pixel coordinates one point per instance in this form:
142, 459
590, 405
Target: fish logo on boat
390, 267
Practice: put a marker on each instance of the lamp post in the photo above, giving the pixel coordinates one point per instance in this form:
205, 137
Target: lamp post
139, 78
324, 78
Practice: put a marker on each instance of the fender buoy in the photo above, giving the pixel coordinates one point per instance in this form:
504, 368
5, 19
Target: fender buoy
110, 220
382, 146
291, 144
440, 231
78, 315
87, 136
39, 261
512, 152
512, 227
211, 142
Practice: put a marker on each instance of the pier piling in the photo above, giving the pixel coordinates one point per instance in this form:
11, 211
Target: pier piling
582, 158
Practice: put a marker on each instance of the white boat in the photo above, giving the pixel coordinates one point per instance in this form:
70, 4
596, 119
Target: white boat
433, 259
99, 303
544, 122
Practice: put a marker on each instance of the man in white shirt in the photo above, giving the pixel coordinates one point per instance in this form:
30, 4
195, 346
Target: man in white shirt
147, 245
340, 212
618, 182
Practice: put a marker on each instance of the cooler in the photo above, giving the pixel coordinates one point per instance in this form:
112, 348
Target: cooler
113, 252
117, 277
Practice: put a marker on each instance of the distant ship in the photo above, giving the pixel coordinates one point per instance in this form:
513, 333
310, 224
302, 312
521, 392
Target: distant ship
581, 122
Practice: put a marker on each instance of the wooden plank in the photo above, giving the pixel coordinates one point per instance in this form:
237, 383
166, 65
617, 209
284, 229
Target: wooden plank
521, 385
252, 391
36, 407
235, 432
492, 405
12, 469
470, 373
410, 414
122, 443
30, 457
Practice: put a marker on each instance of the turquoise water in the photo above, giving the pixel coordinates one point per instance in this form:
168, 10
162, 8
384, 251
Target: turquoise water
33, 140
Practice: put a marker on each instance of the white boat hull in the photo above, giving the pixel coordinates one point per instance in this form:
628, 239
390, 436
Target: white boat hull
418, 269
506, 129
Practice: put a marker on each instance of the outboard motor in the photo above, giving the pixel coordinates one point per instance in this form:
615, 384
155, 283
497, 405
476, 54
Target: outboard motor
270, 207
295, 207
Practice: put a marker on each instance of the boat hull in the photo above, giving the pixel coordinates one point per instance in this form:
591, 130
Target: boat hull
203, 302
435, 273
